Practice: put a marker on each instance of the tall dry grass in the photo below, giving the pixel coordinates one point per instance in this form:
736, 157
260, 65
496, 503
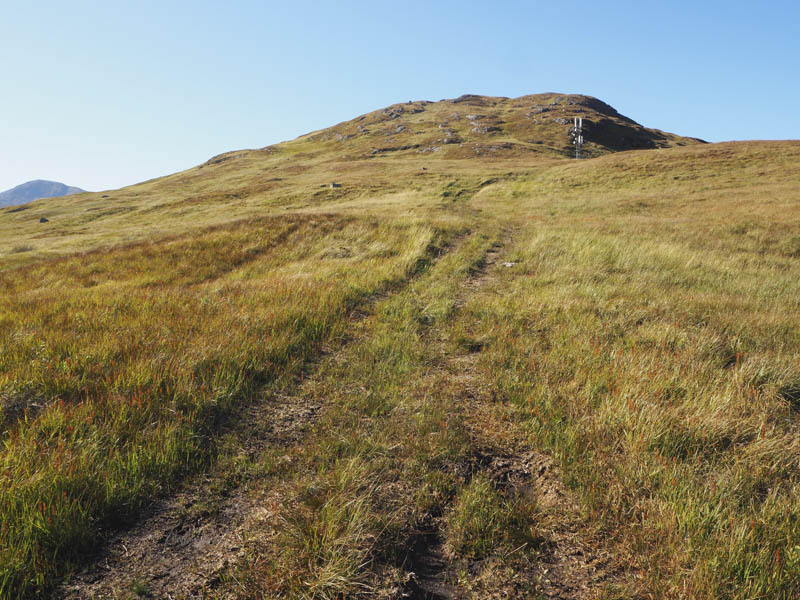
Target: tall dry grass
118, 367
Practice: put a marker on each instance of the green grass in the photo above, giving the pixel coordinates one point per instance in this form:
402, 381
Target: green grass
119, 368
645, 337
481, 520
379, 465
656, 355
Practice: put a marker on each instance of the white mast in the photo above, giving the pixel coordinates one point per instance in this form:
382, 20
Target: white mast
576, 133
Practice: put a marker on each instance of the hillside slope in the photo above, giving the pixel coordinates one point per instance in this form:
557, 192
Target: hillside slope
372, 157
450, 375
35, 190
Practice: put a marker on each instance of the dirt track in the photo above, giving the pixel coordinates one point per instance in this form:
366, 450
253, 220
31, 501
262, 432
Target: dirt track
183, 545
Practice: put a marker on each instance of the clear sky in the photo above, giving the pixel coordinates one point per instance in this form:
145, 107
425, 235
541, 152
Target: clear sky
101, 94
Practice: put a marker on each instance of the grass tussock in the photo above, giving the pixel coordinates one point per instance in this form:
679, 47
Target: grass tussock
482, 519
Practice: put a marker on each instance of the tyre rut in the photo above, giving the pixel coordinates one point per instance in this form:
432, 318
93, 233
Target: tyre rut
182, 545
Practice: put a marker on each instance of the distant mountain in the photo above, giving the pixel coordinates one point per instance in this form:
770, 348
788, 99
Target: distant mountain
33, 190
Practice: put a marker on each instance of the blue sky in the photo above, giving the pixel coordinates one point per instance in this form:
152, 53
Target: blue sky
105, 94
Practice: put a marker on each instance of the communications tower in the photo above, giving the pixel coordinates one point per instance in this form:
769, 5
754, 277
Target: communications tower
576, 136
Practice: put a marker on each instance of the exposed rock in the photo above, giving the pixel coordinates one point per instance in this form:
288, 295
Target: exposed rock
220, 158
451, 137
44, 220
393, 112
394, 149
486, 129
538, 110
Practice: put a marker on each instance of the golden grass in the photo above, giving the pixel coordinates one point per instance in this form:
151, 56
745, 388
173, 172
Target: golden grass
645, 336
116, 367
655, 350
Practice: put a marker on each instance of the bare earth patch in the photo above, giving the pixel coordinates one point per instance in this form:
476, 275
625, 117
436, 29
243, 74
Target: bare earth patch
184, 543
571, 563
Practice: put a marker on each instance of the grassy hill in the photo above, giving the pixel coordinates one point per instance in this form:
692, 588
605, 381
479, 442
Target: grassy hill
378, 159
473, 367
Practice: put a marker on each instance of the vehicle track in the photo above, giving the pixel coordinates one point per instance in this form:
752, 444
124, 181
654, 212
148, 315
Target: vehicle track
182, 545
570, 562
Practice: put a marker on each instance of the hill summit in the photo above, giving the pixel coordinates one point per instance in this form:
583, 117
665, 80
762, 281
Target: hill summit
472, 125
35, 190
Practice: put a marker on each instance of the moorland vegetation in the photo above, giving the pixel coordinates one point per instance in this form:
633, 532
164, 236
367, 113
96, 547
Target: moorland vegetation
478, 367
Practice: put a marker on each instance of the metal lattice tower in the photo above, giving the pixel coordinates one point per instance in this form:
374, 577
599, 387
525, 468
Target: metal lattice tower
576, 136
